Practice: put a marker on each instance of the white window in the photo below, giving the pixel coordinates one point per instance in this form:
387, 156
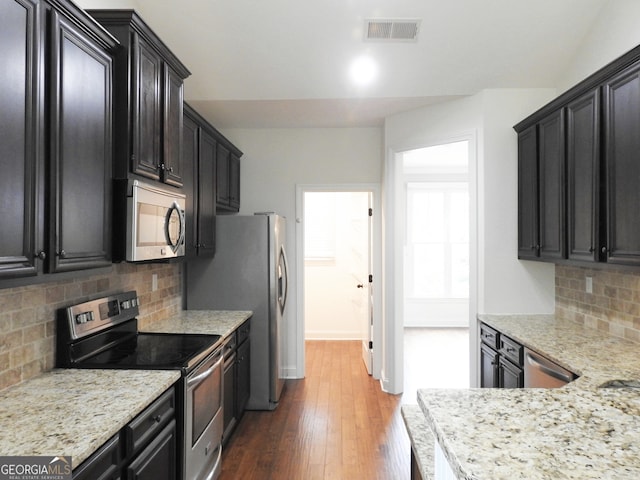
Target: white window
437, 240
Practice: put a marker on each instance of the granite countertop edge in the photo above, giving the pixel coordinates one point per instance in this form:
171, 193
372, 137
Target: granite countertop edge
477, 429
73, 412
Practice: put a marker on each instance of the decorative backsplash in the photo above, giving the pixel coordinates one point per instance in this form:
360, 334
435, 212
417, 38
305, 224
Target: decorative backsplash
28, 314
613, 306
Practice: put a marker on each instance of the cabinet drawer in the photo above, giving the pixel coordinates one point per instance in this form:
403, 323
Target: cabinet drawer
489, 336
147, 425
243, 332
512, 350
229, 345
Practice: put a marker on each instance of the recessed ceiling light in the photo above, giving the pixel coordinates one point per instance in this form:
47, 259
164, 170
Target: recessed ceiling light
363, 71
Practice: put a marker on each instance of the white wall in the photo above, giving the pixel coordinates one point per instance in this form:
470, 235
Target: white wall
506, 284
276, 160
616, 31
500, 282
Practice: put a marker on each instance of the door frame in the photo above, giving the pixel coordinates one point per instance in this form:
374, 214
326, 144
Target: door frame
392, 374
376, 253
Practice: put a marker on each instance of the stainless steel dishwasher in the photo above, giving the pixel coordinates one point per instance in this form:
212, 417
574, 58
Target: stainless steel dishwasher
540, 372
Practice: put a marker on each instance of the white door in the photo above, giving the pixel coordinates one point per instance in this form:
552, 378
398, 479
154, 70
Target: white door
368, 286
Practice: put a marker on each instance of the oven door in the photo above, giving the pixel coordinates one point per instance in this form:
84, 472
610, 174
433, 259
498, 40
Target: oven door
204, 420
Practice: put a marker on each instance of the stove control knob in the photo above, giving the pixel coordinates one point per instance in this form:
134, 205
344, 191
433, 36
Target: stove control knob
90, 317
126, 304
81, 318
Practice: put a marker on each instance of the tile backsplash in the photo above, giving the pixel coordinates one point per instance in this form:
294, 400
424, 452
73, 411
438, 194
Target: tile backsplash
613, 306
28, 314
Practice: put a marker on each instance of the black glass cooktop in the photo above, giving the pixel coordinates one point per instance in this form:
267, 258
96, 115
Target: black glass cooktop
155, 351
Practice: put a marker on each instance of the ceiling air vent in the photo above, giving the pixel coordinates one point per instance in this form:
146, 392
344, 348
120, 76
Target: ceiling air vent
392, 30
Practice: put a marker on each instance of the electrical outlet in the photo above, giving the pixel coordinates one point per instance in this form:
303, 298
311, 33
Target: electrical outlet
588, 287
154, 282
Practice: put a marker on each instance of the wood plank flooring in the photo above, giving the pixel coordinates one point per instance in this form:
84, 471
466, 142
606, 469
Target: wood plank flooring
334, 424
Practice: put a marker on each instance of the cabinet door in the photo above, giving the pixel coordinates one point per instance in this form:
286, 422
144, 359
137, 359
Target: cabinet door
19, 119
583, 177
509, 375
80, 173
222, 175
104, 464
229, 390
622, 144
528, 244
146, 111
159, 460
488, 367
234, 182
172, 127
190, 178
242, 378
551, 186
206, 195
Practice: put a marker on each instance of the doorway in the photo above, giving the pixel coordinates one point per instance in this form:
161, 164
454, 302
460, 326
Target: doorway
336, 233
436, 265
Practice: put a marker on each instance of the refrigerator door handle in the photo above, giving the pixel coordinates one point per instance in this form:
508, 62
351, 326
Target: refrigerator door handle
283, 280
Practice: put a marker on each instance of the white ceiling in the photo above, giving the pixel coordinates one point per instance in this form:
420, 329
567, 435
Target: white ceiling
285, 63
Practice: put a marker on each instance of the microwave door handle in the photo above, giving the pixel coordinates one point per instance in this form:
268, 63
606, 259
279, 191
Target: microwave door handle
181, 228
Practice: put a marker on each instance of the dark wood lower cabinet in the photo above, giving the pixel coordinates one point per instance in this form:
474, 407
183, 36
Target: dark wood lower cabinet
488, 367
103, 464
145, 449
509, 375
159, 460
501, 360
236, 378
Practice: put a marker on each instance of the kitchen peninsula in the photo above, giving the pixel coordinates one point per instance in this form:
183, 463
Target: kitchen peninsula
579, 431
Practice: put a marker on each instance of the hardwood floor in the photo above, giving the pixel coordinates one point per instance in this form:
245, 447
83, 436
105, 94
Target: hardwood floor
334, 424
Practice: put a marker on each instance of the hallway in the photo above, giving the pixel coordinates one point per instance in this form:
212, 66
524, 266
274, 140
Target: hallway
334, 424
337, 423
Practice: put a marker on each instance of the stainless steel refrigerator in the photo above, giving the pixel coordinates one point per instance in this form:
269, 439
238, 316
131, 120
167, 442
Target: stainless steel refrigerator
248, 272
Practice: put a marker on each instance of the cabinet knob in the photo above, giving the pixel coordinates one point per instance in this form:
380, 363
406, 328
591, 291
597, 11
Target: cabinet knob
604, 250
41, 255
62, 254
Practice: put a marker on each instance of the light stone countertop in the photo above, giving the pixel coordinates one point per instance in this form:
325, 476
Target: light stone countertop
75, 411
579, 431
216, 322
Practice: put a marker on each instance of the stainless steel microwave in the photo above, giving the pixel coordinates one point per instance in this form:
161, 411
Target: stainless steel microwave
155, 223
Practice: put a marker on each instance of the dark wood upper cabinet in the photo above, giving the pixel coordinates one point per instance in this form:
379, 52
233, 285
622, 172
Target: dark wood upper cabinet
81, 155
149, 84
551, 183
541, 166
172, 127
55, 153
228, 177
199, 154
588, 208
20, 157
583, 177
146, 113
528, 242
622, 163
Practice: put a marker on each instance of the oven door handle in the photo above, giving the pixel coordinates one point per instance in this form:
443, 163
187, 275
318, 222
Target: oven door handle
204, 375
